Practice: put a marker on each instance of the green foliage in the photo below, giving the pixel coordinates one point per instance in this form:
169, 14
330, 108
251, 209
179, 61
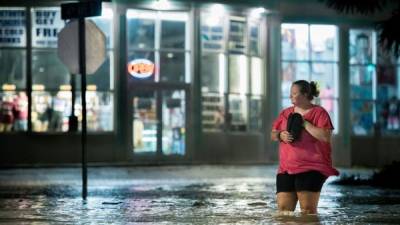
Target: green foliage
389, 32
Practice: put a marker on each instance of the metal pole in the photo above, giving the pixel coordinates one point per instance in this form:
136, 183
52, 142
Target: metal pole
82, 68
73, 120
29, 68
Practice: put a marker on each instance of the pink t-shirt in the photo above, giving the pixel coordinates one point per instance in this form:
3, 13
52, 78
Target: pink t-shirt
307, 153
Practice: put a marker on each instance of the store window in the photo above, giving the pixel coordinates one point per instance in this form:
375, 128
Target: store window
237, 35
213, 89
158, 46
310, 52
238, 90
50, 108
173, 66
256, 91
100, 85
213, 32
13, 97
51, 80
145, 122
374, 80
213, 71
159, 52
141, 30
173, 113
154, 112
231, 72
362, 80
388, 94
173, 33
256, 76
254, 38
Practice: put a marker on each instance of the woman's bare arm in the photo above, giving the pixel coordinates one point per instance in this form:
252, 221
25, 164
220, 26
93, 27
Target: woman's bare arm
284, 136
274, 135
319, 133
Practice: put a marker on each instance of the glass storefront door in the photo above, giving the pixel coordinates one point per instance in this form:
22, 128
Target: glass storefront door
145, 122
159, 122
173, 122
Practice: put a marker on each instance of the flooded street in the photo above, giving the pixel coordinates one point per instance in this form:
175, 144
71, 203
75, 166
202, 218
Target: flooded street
179, 195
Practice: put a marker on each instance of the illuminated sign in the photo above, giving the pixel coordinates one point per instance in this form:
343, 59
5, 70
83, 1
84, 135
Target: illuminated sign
141, 68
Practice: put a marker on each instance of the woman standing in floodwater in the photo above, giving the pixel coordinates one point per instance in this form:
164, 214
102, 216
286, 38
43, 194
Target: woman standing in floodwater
304, 163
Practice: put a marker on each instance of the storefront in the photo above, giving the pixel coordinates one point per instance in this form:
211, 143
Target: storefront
177, 76
189, 69
189, 82
159, 78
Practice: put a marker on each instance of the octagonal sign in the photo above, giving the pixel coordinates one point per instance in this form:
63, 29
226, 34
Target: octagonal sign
68, 47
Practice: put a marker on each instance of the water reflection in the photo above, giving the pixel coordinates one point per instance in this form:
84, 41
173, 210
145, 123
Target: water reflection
296, 218
199, 199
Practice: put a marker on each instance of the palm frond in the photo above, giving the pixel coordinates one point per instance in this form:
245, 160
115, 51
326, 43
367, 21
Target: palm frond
389, 34
356, 6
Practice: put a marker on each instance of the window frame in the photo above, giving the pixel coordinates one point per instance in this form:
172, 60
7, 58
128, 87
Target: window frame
74, 78
8, 89
225, 53
309, 62
373, 64
158, 17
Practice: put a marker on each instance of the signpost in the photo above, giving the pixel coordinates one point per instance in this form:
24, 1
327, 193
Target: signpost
79, 11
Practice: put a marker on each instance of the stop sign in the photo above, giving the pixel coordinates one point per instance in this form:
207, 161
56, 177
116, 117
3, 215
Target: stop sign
68, 47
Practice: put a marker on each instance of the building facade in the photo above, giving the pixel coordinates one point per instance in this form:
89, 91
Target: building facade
190, 82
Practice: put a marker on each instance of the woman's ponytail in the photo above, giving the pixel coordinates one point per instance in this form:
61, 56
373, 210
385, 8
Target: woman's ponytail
314, 90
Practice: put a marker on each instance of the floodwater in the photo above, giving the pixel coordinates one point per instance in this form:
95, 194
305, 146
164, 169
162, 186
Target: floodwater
179, 195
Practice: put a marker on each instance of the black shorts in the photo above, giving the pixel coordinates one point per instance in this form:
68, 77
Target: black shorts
307, 181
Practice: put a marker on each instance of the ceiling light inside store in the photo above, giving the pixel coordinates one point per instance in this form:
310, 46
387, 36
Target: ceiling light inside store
161, 4
170, 55
65, 87
217, 9
107, 13
38, 87
140, 14
212, 21
257, 12
9, 87
174, 16
91, 87
217, 12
